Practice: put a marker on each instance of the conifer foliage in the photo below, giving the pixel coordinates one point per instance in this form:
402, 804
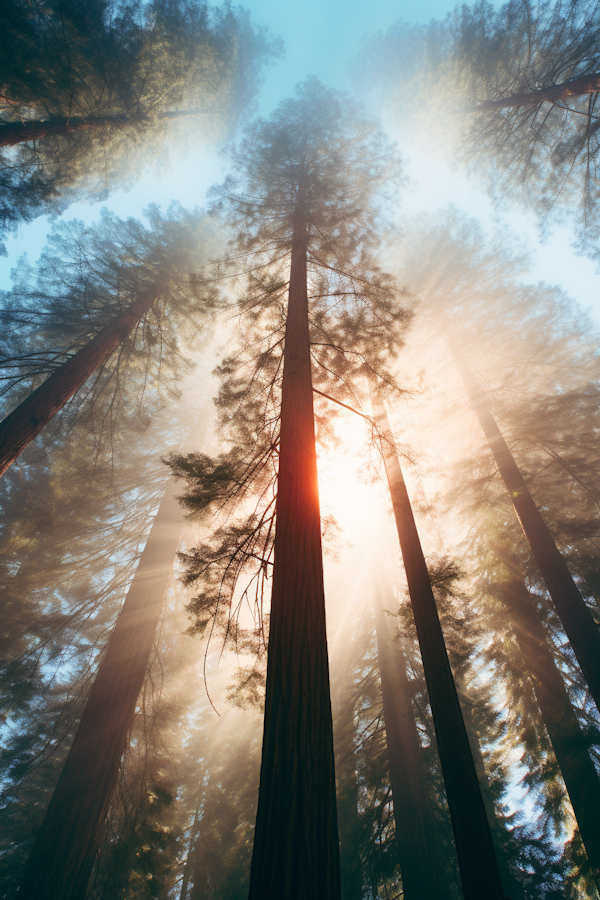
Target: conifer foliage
87, 85
115, 286
200, 742
537, 375
304, 205
517, 85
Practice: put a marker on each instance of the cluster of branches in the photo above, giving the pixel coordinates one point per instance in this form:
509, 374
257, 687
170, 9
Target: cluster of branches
517, 85
87, 85
355, 323
104, 317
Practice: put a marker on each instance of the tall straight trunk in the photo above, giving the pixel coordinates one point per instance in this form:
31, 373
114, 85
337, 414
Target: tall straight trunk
568, 741
21, 426
64, 851
576, 618
347, 786
421, 866
480, 875
296, 847
187, 869
349, 822
12, 133
512, 888
576, 87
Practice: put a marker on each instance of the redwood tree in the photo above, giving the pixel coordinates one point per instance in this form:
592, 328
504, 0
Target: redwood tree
574, 614
421, 862
303, 201
88, 85
538, 358
65, 848
115, 285
480, 874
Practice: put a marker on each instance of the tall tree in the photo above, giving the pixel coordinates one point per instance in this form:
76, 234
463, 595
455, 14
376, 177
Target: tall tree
63, 855
539, 362
305, 197
87, 81
139, 281
574, 614
421, 863
72, 522
343, 701
566, 734
479, 870
518, 83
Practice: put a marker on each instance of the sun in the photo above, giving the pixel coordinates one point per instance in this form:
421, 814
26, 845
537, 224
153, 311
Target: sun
349, 487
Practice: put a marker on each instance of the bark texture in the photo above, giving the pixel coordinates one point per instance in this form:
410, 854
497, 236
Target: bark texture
62, 858
480, 875
575, 616
21, 426
12, 133
423, 876
296, 845
587, 84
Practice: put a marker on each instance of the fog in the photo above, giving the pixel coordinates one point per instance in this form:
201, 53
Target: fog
299, 451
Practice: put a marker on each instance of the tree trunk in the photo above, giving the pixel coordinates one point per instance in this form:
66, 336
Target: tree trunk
12, 133
421, 867
63, 854
577, 87
347, 786
512, 888
187, 869
576, 618
23, 424
568, 741
479, 871
296, 847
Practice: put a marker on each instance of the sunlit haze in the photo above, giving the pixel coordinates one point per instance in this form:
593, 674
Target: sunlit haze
195, 703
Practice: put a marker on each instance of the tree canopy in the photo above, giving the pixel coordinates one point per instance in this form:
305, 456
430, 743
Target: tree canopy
92, 91
296, 627
517, 85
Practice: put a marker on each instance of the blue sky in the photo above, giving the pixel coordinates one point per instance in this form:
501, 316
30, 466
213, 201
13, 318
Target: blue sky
322, 38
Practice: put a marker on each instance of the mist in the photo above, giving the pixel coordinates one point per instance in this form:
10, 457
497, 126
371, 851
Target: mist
300, 407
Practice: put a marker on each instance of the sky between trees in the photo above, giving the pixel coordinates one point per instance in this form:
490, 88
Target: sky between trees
284, 317
323, 40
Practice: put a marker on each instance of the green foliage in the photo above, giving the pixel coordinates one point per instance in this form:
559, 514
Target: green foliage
85, 277
534, 351
128, 68
543, 153
356, 320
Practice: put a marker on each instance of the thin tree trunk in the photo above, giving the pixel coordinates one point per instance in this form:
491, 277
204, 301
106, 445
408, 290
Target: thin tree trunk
568, 741
347, 787
576, 618
480, 875
20, 427
64, 851
12, 133
349, 822
577, 87
512, 888
421, 867
187, 869
296, 845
